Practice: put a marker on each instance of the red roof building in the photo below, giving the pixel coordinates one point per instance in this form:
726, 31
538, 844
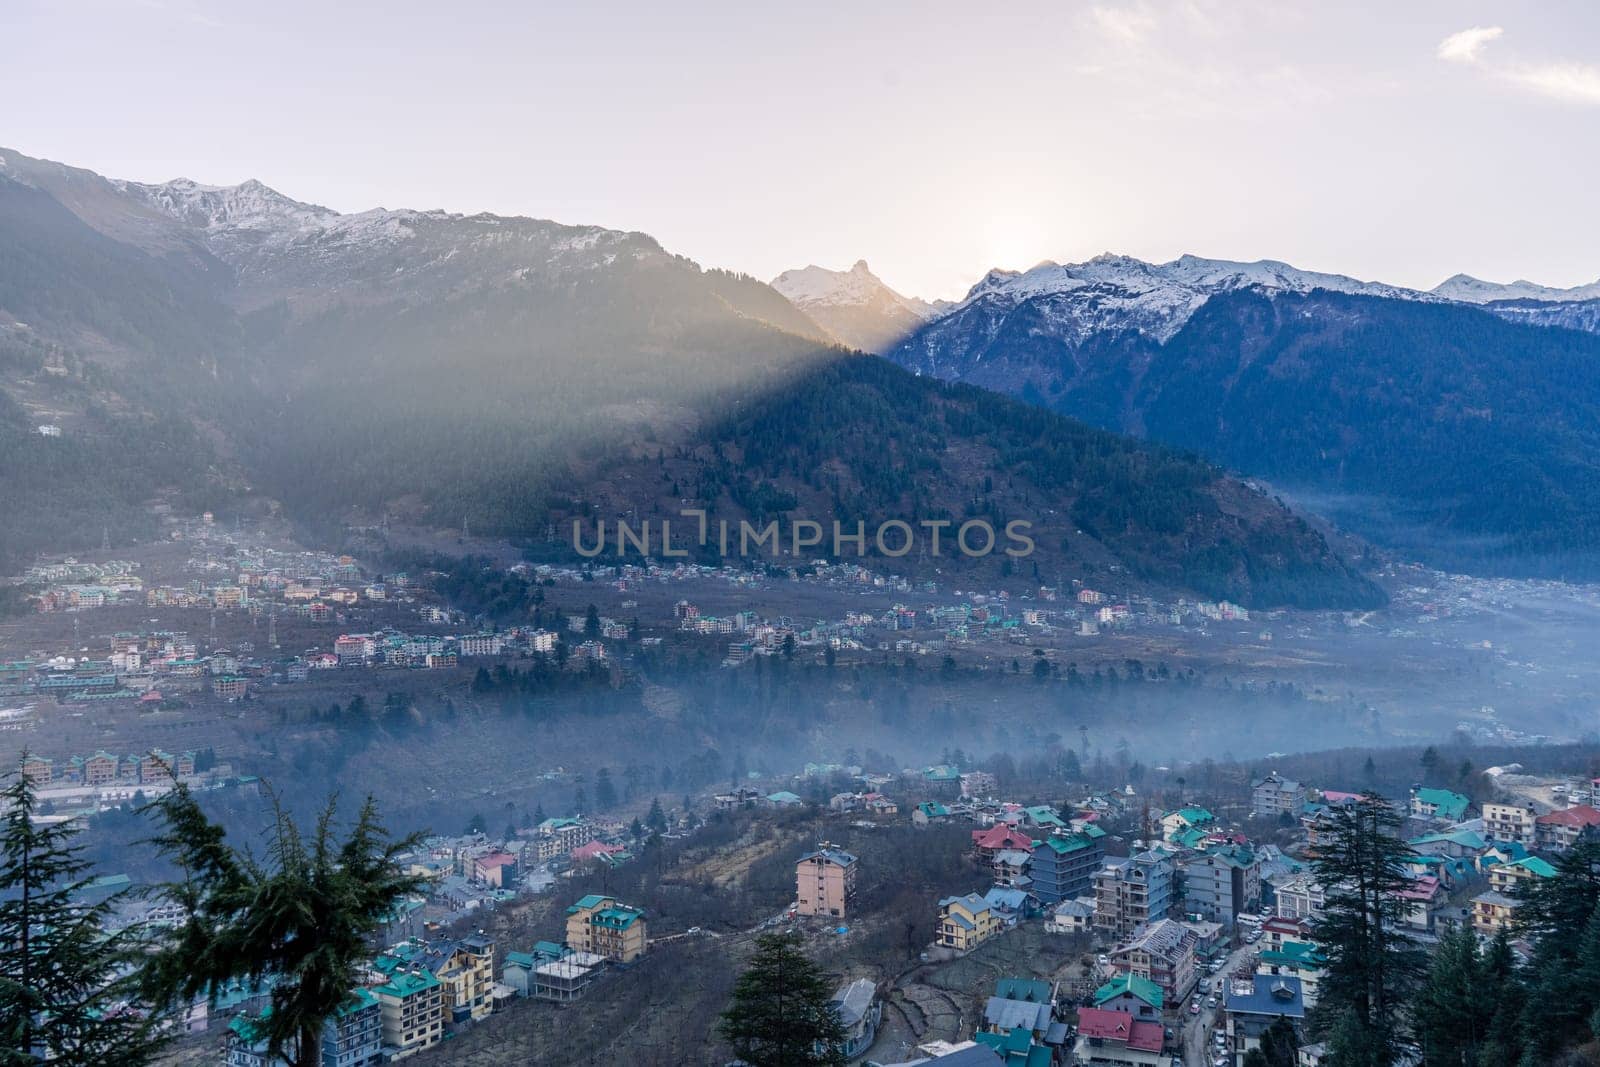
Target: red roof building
1100, 1024
999, 838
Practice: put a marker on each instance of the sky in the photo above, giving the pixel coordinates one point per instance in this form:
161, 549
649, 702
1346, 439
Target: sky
1401, 142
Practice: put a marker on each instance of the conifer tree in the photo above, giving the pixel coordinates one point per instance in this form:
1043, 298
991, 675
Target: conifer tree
781, 1014
1372, 965
302, 914
63, 997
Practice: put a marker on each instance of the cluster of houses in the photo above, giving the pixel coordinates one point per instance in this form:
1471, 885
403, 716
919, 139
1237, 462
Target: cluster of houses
420, 989
1170, 912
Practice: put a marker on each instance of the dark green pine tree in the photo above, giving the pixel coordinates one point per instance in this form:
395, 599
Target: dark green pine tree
1279, 1047
1372, 964
304, 912
1448, 1015
781, 1014
1506, 992
1560, 915
60, 999
656, 819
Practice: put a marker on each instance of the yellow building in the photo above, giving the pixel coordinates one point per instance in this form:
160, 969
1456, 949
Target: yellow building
600, 925
966, 922
1505, 877
465, 969
412, 1003
1493, 912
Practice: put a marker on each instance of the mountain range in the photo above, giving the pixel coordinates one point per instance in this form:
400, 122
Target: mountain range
234, 348
1458, 425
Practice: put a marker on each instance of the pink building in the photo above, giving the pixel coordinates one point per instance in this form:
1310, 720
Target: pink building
825, 880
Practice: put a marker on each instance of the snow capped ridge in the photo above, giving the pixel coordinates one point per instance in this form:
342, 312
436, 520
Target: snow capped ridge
250, 205
814, 286
1115, 291
1469, 290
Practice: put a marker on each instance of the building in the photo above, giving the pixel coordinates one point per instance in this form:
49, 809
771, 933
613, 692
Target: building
966, 922
1221, 882
497, 869
353, 1035
1296, 959
1510, 822
1439, 804
1064, 866
1174, 823
1133, 891
1560, 830
248, 1044
825, 880
1301, 897
1131, 995
38, 770
1505, 877
859, 1012
1163, 953
1117, 1039
1274, 796
412, 1006
465, 968
1493, 912
600, 925
1074, 916
1255, 1003
567, 978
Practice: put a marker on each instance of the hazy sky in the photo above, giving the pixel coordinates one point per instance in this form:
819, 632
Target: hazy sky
1398, 141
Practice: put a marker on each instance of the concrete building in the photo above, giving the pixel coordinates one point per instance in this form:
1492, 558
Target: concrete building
1221, 882
1274, 796
1064, 865
1510, 822
1163, 953
600, 925
411, 1003
825, 880
1133, 891
353, 1035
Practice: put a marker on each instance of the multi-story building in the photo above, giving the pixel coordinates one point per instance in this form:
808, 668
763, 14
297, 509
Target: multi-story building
1493, 912
1510, 822
248, 1045
1275, 795
38, 770
1163, 953
465, 970
1254, 1004
1221, 882
600, 925
100, 769
825, 880
353, 1035
1132, 891
412, 1006
1064, 865
1300, 898
1439, 804
1558, 831
1505, 877
966, 922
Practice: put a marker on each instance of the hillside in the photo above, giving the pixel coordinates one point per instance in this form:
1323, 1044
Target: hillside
508, 373
1467, 440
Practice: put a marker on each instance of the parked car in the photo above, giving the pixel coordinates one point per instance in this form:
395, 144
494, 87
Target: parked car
1194, 1009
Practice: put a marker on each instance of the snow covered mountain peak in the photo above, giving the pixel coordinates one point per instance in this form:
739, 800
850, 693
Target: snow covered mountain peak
854, 305
1469, 290
250, 205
